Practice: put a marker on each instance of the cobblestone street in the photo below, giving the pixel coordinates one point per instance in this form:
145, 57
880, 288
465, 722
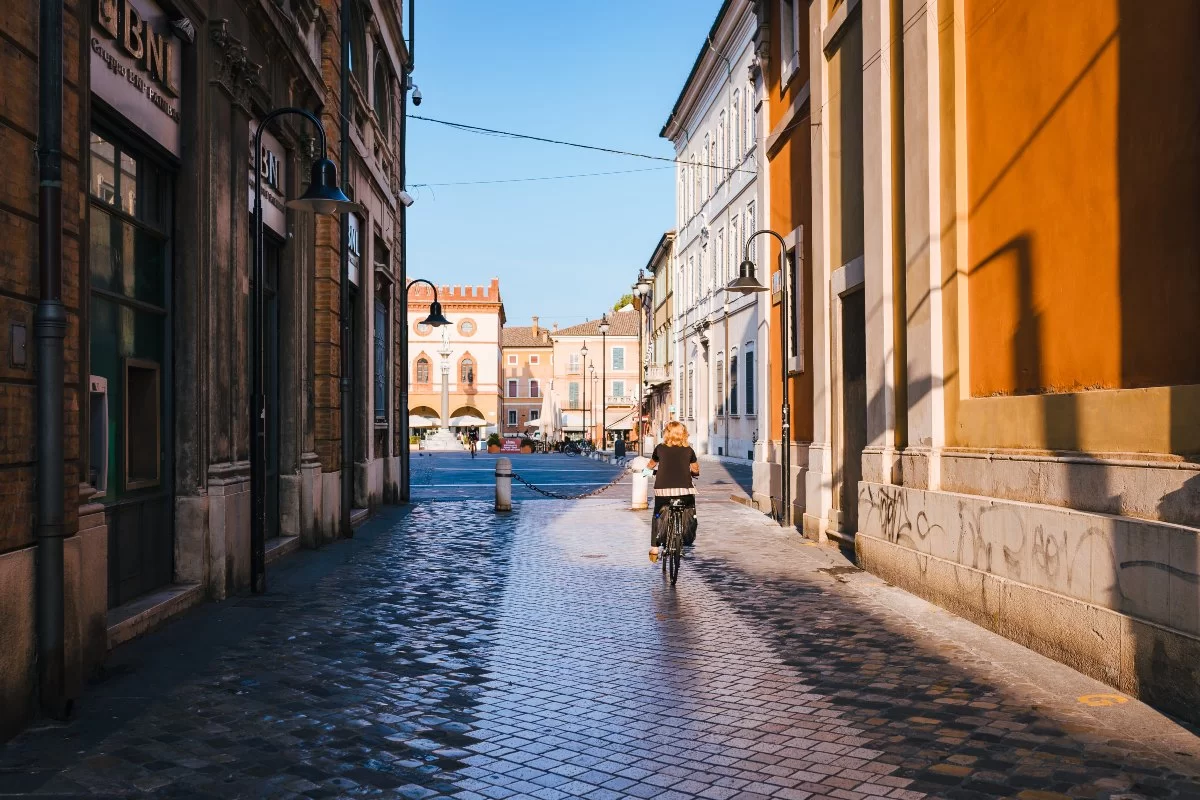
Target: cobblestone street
448, 651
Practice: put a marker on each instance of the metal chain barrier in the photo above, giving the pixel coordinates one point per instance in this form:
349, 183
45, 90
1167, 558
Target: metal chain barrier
557, 496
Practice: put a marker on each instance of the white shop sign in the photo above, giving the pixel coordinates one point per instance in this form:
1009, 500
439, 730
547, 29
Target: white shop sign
273, 181
136, 64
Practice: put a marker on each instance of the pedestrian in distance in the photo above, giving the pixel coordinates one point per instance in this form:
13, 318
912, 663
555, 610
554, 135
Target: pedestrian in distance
674, 465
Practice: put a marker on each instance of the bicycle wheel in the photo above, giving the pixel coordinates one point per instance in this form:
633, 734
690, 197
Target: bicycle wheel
675, 549
664, 536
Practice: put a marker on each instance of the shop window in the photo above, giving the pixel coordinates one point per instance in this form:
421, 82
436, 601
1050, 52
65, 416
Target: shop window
143, 421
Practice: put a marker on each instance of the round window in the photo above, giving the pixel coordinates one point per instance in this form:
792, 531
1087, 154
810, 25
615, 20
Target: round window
423, 329
466, 327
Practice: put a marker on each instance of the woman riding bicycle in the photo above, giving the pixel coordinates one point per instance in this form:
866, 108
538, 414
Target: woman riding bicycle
675, 464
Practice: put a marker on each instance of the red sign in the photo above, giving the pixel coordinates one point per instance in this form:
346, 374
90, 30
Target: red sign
510, 446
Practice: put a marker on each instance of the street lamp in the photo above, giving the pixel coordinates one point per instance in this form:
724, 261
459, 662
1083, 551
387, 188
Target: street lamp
323, 197
592, 377
641, 288
603, 381
583, 371
747, 283
436, 318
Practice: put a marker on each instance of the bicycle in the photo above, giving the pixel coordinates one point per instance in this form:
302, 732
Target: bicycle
670, 546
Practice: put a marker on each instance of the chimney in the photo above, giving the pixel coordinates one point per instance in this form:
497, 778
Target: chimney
535, 326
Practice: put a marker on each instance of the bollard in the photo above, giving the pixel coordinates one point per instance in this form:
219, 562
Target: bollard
641, 484
503, 484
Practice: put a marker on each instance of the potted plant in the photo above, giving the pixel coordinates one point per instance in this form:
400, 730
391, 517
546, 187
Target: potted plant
527, 445
493, 443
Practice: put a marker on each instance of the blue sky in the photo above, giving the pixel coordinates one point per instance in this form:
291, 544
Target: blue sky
602, 73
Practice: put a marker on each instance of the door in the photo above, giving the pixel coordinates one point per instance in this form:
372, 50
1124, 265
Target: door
854, 404
271, 380
129, 316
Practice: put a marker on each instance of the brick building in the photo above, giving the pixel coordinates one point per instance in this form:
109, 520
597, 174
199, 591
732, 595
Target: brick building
527, 363
159, 107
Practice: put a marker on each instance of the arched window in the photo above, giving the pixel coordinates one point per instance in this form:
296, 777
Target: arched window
466, 372
383, 96
358, 44
422, 370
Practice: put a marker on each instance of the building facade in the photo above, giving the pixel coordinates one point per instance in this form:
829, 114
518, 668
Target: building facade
157, 247
455, 369
1004, 420
720, 336
659, 336
595, 377
527, 367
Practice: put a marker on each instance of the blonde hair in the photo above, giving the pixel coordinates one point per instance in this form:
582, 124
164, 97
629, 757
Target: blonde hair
676, 434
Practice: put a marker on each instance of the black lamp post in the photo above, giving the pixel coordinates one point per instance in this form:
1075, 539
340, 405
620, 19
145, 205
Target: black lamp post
641, 289
323, 197
591, 376
583, 371
746, 283
436, 318
603, 381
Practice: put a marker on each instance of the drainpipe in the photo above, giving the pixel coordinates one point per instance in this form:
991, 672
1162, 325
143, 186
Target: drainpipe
402, 419
50, 328
347, 348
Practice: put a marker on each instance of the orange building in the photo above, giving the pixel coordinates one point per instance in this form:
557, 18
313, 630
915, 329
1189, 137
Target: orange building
1005, 272
785, 129
527, 370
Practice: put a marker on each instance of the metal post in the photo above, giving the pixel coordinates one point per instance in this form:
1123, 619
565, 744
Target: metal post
786, 427
258, 394
603, 390
584, 381
402, 417
504, 484
50, 329
347, 346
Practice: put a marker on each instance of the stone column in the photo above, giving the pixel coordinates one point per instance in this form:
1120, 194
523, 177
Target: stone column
923, 244
879, 457
818, 499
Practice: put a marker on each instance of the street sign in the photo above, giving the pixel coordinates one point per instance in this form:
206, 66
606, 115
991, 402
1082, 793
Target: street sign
510, 446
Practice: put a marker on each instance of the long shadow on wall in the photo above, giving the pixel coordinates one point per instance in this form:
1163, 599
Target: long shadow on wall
1158, 152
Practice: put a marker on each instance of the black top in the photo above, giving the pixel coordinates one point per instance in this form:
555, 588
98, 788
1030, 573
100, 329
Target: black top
674, 467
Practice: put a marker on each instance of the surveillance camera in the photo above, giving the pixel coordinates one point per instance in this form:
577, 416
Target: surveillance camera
416, 95
406, 198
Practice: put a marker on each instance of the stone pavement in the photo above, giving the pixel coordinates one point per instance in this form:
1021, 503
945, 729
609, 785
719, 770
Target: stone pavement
446, 651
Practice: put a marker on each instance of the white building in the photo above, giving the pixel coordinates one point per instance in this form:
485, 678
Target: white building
721, 339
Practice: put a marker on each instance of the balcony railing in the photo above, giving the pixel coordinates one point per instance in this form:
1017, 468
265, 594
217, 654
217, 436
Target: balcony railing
657, 375
620, 400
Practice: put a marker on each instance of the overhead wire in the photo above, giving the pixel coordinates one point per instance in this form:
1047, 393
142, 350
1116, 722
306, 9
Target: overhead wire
546, 140
543, 177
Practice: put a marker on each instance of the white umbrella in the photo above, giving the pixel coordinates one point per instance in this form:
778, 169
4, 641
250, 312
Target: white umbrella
467, 421
419, 421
